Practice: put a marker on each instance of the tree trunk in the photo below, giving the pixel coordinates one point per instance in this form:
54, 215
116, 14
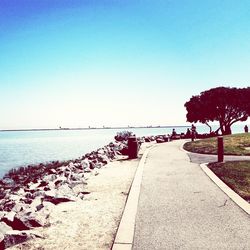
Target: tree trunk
228, 130
210, 128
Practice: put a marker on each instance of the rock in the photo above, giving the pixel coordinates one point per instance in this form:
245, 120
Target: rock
166, 138
85, 164
103, 158
95, 171
2, 213
124, 151
26, 200
17, 220
58, 199
39, 193
18, 207
39, 207
33, 186
65, 191
2, 193
34, 219
160, 140
9, 217
50, 177
21, 192
51, 171
4, 228
36, 204
77, 177
2, 241
65, 194
43, 184
14, 237
14, 197
175, 137
80, 196
99, 165
63, 169
59, 181
16, 224
71, 165
27, 219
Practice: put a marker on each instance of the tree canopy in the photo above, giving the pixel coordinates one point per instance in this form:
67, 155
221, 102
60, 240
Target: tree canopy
223, 104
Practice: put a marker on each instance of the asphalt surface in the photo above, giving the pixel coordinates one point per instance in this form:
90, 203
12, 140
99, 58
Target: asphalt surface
181, 208
203, 158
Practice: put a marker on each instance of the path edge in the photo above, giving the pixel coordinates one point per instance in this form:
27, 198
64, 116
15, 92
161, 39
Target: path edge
125, 233
244, 205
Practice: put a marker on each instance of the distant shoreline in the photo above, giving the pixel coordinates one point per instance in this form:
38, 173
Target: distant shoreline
91, 128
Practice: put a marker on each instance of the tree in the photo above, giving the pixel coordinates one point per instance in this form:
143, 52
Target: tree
223, 104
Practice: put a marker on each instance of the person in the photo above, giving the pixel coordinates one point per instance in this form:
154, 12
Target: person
193, 132
246, 129
173, 132
188, 133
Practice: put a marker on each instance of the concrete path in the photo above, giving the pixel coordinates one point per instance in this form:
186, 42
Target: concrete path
201, 158
181, 208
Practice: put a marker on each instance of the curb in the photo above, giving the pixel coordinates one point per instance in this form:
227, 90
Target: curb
125, 233
244, 205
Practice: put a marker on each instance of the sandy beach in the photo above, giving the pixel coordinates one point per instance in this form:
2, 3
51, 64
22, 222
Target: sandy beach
90, 223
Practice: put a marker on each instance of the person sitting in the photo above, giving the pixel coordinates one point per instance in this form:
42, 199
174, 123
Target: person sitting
174, 132
188, 133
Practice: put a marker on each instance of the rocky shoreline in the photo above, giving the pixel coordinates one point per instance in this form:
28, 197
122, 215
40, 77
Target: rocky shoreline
28, 194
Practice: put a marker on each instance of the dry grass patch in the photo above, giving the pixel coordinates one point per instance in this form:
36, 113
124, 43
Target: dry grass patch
236, 175
236, 144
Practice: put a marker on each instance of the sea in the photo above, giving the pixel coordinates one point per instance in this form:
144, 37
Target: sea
22, 148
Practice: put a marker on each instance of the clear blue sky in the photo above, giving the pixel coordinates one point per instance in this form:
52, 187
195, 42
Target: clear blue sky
110, 62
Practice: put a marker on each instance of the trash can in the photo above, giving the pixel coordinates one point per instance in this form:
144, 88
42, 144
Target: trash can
132, 147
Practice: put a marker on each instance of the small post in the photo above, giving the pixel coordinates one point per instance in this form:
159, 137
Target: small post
220, 149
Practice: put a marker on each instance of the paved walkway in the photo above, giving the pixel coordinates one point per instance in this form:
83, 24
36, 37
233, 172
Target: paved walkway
203, 158
181, 208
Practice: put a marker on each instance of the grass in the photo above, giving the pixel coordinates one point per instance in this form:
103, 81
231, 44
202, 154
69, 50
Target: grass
236, 175
233, 145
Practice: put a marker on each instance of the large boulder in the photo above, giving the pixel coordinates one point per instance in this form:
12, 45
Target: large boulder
8, 218
14, 237
34, 219
27, 219
64, 194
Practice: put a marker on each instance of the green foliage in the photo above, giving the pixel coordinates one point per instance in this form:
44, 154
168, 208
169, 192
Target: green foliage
225, 105
123, 135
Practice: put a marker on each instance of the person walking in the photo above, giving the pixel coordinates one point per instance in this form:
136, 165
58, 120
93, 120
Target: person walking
193, 132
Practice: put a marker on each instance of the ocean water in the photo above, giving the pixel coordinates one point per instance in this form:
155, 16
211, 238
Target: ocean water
21, 148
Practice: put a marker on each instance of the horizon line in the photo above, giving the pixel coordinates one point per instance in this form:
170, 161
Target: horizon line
91, 128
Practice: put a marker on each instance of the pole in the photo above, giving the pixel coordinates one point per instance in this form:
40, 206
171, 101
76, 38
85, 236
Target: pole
220, 149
